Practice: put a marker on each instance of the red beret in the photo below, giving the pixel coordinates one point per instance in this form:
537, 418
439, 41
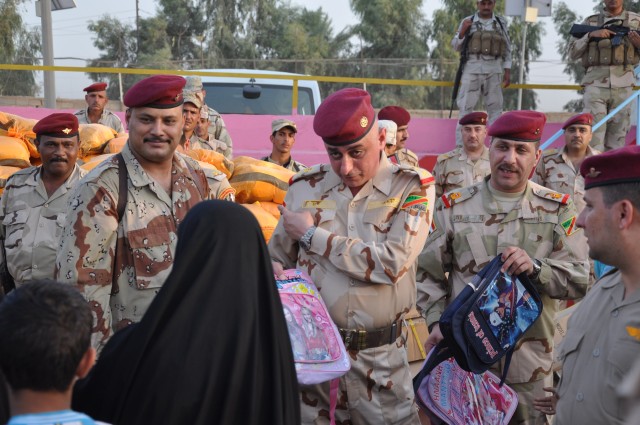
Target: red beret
344, 117
580, 119
158, 91
612, 167
397, 114
95, 87
474, 118
520, 126
57, 125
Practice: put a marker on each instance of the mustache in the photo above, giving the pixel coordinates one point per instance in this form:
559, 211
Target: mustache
58, 160
156, 139
505, 167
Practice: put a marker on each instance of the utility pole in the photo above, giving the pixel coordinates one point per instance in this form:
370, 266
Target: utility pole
47, 55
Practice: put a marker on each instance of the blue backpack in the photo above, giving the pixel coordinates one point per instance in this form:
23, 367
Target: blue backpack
485, 321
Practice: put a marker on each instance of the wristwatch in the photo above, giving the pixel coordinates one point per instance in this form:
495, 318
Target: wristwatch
305, 240
537, 268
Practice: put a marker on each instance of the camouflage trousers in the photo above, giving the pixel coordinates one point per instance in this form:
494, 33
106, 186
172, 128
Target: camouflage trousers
377, 390
600, 101
472, 86
525, 413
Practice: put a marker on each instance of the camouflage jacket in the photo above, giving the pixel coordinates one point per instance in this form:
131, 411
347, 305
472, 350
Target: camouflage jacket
108, 118
218, 129
454, 170
405, 157
613, 76
471, 228
485, 64
556, 172
120, 263
32, 223
363, 252
292, 165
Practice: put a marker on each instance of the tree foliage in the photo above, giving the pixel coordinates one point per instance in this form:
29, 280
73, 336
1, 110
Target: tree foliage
17, 46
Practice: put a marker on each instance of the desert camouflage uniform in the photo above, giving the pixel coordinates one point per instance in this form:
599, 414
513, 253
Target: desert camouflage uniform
362, 259
218, 130
214, 145
601, 346
470, 229
219, 185
119, 265
32, 223
292, 165
606, 87
482, 75
404, 157
454, 170
108, 118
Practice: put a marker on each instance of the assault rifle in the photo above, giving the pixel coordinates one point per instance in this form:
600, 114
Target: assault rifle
464, 55
615, 25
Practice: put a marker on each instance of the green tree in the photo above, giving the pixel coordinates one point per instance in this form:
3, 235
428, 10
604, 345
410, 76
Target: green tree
17, 46
532, 52
184, 22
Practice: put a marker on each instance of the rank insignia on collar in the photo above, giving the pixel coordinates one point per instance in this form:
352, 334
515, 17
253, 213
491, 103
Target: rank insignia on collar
66, 131
364, 121
593, 173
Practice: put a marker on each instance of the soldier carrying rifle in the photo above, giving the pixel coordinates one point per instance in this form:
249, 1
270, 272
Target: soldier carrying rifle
608, 56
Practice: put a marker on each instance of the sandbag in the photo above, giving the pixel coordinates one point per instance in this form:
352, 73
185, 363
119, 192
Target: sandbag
93, 138
21, 128
214, 158
267, 222
116, 144
5, 173
271, 208
14, 152
256, 180
93, 161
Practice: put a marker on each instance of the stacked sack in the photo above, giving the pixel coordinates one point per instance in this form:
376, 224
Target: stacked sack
261, 186
17, 148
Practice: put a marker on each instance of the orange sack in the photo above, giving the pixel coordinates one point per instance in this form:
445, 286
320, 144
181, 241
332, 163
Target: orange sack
256, 180
267, 222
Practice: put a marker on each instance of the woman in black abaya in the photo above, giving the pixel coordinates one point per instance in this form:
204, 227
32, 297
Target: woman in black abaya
213, 347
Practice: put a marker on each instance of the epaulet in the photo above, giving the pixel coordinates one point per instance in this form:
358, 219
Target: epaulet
211, 172
552, 195
449, 199
550, 152
426, 178
24, 171
79, 112
309, 172
446, 155
411, 154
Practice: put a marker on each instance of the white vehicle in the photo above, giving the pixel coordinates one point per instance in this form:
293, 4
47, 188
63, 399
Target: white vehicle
259, 96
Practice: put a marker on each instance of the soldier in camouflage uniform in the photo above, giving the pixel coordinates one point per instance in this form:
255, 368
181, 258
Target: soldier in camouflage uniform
390, 129
558, 169
33, 206
120, 257
401, 117
356, 226
283, 137
217, 128
95, 113
488, 65
208, 140
609, 77
467, 164
531, 227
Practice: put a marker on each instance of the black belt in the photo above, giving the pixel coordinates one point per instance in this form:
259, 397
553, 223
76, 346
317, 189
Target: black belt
359, 339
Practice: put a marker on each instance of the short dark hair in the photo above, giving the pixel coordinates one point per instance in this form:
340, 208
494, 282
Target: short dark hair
617, 192
45, 330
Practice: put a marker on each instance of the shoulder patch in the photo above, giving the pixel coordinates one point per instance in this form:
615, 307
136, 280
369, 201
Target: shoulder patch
543, 192
449, 199
569, 225
446, 155
309, 172
426, 178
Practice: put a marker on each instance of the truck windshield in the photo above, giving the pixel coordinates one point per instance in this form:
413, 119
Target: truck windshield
226, 98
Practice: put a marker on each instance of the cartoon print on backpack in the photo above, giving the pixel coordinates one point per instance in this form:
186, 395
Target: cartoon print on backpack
296, 335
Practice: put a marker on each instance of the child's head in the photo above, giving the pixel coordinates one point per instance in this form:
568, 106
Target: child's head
45, 335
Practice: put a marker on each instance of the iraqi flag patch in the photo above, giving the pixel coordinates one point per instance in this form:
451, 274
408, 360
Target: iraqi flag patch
415, 202
569, 225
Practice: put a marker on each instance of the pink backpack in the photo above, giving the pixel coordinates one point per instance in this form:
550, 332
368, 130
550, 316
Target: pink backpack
318, 350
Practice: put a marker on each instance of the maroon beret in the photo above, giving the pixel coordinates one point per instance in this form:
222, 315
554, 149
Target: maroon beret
612, 167
57, 125
580, 119
520, 126
397, 114
474, 118
158, 91
344, 117
95, 87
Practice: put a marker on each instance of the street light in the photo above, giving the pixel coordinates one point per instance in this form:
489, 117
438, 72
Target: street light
43, 10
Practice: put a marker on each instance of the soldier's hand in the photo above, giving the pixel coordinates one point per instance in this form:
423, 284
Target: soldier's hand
506, 79
435, 336
464, 28
516, 261
547, 405
278, 270
634, 38
602, 33
295, 223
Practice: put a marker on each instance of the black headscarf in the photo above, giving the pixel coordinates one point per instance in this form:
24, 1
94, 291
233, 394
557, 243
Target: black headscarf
213, 347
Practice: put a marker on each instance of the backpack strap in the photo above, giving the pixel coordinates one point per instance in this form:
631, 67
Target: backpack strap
122, 186
440, 353
507, 362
